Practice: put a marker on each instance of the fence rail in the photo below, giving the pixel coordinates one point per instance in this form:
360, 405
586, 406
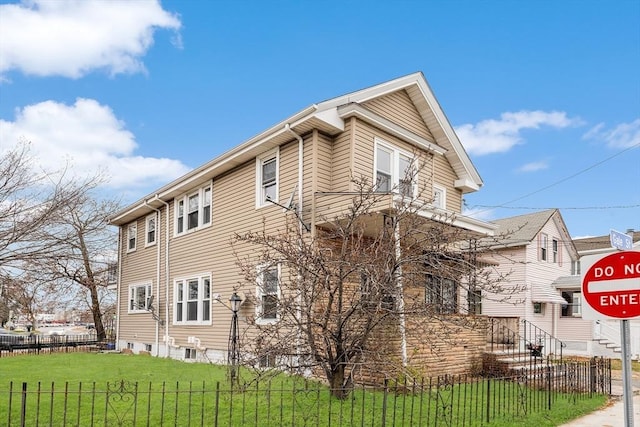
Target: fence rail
11, 345
443, 401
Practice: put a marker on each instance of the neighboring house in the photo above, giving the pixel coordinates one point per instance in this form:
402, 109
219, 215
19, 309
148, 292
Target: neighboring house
532, 251
593, 337
175, 259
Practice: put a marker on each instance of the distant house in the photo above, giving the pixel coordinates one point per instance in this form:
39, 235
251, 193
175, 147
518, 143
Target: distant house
593, 337
532, 251
175, 261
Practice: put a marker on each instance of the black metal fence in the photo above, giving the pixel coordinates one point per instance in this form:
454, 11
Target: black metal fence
11, 345
442, 401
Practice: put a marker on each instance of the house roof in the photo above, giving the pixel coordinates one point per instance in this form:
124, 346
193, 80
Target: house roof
587, 244
521, 230
329, 117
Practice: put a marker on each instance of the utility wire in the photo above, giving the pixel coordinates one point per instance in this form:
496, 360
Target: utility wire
502, 205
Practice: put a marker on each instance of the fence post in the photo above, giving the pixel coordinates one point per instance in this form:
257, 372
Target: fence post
23, 406
488, 399
384, 403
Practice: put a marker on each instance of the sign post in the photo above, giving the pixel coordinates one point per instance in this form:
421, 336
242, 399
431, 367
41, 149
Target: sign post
611, 289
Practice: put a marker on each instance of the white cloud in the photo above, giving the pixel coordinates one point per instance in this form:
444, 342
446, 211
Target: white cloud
495, 136
624, 135
89, 138
533, 166
73, 37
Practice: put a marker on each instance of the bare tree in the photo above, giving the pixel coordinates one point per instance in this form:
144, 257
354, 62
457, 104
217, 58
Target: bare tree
52, 231
349, 290
87, 250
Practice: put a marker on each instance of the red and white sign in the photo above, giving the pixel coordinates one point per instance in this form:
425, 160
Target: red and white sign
611, 286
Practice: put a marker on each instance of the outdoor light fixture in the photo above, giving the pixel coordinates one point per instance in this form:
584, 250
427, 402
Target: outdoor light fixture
235, 302
234, 351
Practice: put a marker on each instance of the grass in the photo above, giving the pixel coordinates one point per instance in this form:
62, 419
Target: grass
178, 393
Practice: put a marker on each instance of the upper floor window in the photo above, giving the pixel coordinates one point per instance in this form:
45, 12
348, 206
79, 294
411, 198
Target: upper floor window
395, 170
554, 250
193, 210
151, 230
192, 300
132, 234
439, 197
139, 297
544, 241
267, 169
442, 294
268, 293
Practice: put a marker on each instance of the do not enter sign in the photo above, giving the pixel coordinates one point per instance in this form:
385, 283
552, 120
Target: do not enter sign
611, 286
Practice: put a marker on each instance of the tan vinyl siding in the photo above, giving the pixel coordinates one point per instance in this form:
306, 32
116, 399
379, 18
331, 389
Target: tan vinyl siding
341, 163
398, 108
445, 176
323, 163
140, 324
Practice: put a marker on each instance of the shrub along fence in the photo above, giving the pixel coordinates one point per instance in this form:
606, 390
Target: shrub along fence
443, 401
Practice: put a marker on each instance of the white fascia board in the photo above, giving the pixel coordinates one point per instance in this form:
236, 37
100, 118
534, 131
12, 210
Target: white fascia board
366, 94
446, 127
332, 118
357, 110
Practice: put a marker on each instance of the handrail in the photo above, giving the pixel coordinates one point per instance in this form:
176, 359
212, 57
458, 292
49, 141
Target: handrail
538, 338
526, 345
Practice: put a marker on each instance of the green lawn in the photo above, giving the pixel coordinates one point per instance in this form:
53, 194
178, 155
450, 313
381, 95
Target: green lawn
169, 392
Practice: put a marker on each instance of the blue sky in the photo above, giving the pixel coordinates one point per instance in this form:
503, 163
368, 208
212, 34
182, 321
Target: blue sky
545, 95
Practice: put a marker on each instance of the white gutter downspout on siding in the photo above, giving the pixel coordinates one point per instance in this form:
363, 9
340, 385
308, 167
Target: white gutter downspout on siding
166, 278
159, 218
119, 287
299, 215
300, 173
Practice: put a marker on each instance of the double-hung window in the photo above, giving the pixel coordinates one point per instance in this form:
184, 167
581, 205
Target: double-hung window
139, 297
267, 168
193, 210
555, 250
544, 241
441, 294
395, 170
150, 232
132, 234
192, 300
268, 293
573, 308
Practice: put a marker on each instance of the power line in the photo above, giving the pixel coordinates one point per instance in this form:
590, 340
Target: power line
502, 205
557, 207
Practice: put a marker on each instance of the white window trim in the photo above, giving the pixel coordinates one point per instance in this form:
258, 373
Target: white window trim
133, 226
147, 243
185, 215
185, 280
148, 293
260, 269
260, 160
443, 197
395, 165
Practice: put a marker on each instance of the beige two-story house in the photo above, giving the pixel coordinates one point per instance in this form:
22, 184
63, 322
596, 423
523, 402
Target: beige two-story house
176, 264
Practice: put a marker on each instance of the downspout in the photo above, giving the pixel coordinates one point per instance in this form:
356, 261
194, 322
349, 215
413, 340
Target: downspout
166, 278
300, 172
159, 218
119, 288
299, 215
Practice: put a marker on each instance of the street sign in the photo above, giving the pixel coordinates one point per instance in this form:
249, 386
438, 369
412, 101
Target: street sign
611, 286
621, 241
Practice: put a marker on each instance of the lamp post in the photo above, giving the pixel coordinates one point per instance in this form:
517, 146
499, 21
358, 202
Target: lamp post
234, 353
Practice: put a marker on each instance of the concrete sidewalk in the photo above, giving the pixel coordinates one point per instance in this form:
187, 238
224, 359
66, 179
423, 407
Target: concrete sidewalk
613, 415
